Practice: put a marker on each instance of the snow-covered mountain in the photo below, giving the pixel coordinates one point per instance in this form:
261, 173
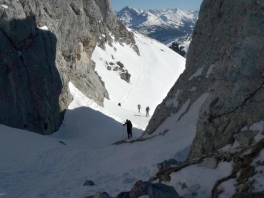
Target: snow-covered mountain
165, 25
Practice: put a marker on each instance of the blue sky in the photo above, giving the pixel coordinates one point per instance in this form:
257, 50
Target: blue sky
156, 4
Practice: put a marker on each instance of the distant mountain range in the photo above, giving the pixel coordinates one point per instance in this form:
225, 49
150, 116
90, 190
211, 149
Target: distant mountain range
166, 26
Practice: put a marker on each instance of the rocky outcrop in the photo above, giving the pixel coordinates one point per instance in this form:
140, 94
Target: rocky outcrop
125, 76
225, 59
44, 45
156, 190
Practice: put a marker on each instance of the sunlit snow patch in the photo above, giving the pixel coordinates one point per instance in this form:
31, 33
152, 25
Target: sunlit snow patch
209, 71
197, 73
44, 27
6, 7
228, 188
258, 177
174, 100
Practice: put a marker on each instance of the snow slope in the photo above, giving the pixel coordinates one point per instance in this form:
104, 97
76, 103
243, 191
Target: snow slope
153, 73
41, 167
36, 166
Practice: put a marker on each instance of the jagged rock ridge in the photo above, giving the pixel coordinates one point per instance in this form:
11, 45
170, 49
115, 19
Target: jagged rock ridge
37, 64
225, 59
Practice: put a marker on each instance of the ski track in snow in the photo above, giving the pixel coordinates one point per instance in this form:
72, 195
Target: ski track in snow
131, 87
157, 63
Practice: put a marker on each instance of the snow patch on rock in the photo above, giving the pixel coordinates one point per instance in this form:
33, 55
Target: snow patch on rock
228, 187
173, 101
209, 71
4, 6
194, 175
197, 73
44, 27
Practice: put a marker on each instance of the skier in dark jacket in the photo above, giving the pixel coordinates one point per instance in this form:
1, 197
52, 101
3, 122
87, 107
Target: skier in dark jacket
129, 128
147, 111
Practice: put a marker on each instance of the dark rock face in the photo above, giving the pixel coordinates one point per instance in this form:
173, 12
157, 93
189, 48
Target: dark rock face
30, 85
38, 64
227, 50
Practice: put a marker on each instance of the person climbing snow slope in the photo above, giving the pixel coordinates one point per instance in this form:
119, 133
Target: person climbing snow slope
129, 128
147, 111
139, 106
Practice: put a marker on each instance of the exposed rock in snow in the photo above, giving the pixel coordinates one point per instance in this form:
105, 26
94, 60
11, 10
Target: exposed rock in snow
125, 76
153, 190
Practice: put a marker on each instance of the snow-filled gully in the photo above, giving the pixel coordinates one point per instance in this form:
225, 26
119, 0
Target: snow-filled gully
138, 77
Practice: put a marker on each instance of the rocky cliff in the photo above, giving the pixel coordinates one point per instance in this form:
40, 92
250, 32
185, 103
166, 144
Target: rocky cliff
44, 45
225, 60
